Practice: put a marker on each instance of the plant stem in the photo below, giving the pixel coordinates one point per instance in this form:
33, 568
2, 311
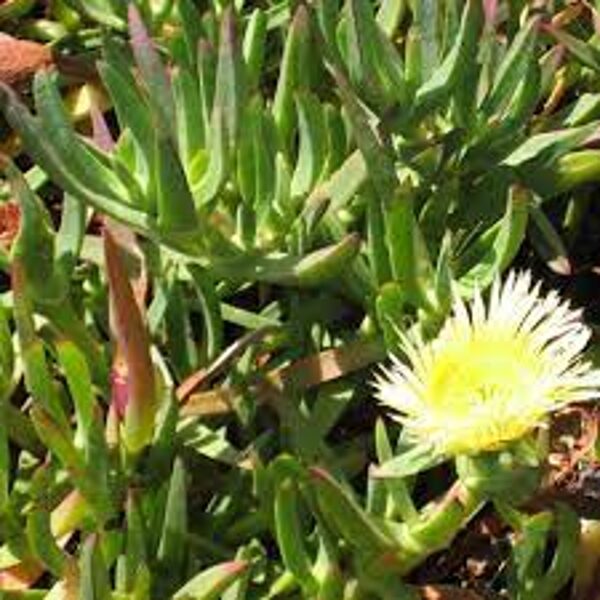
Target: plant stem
435, 529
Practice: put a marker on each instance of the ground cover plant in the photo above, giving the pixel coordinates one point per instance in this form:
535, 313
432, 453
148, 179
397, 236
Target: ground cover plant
298, 299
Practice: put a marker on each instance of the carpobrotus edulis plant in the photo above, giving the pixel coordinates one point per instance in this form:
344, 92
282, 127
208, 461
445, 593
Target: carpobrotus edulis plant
494, 373
477, 394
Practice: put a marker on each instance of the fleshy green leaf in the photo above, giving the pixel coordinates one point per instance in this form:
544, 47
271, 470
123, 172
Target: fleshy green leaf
344, 513
410, 462
212, 582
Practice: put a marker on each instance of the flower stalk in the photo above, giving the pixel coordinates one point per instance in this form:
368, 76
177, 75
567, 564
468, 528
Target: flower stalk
435, 528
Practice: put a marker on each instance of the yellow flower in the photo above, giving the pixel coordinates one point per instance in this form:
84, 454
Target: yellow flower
493, 374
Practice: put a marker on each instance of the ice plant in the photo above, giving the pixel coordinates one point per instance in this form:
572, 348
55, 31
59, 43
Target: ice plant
494, 373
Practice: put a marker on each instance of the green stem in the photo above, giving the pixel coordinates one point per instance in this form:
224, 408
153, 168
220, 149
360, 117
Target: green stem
435, 529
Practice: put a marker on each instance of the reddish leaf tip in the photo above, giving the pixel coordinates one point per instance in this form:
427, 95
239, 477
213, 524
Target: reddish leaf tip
490, 9
236, 566
319, 473
133, 14
100, 131
137, 28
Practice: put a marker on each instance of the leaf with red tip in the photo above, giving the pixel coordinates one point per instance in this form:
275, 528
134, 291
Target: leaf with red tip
100, 131
134, 344
152, 71
490, 10
229, 90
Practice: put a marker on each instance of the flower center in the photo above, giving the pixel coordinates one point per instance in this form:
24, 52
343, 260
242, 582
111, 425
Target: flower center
488, 370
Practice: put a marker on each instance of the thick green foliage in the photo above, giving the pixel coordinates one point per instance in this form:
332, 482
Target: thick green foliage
281, 189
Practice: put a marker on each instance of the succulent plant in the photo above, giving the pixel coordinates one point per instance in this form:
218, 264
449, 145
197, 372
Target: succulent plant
279, 197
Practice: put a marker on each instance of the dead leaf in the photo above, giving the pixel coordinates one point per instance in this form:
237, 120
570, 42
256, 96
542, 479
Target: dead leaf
9, 223
201, 377
20, 577
20, 59
302, 374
